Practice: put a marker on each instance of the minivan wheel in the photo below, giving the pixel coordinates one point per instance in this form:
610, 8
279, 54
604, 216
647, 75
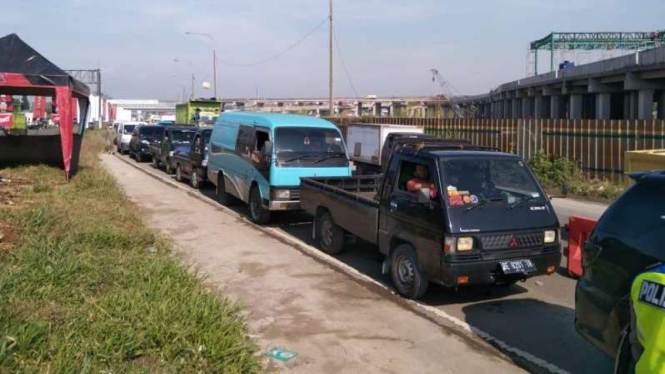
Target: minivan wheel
194, 179
257, 213
178, 173
223, 197
405, 271
330, 236
167, 167
155, 162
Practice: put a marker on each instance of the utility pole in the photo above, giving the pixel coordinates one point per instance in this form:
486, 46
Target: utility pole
191, 95
330, 103
214, 59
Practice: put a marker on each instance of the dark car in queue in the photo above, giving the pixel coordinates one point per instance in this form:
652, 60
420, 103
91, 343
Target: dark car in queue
628, 239
142, 138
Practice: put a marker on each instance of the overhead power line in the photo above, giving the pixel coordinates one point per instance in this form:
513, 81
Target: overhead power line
277, 55
346, 72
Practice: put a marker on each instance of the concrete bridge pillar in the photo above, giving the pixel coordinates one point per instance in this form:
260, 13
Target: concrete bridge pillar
555, 107
603, 106
359, 109
515, 110
645, 104
630, 105
539, 107
505, 103
377, 109
526, 107
661, 105
576, 103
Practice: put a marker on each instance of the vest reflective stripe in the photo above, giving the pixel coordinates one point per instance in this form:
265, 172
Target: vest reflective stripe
648, 298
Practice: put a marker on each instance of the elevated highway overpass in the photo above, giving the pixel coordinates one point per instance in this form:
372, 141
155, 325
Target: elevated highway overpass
627, 87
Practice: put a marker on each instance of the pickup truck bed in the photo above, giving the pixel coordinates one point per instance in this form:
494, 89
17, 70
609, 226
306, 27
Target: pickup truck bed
351, 201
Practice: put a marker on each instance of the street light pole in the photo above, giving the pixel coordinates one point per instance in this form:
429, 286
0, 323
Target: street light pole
214, 59
331, 107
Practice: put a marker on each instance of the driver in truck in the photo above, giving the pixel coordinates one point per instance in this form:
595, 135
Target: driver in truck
421, 180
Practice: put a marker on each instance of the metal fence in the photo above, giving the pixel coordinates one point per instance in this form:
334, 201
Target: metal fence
597, 145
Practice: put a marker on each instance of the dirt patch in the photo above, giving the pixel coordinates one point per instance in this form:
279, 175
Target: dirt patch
9, 235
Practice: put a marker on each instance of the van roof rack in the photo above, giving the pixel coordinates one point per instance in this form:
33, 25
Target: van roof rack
448, 144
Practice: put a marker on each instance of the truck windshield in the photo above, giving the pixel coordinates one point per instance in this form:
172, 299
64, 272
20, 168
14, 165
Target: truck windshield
152, 131
181, 136
302, 146
471, 181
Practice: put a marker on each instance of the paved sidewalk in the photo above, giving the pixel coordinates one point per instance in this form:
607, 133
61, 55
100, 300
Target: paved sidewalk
297, 303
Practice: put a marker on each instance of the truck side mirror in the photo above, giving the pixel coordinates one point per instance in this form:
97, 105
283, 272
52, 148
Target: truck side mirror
268, 145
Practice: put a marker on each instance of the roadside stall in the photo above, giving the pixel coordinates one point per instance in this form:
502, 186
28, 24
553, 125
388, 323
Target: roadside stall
23, 71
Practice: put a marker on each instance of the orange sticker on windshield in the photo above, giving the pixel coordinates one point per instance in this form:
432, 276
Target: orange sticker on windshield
456, 200
466, 199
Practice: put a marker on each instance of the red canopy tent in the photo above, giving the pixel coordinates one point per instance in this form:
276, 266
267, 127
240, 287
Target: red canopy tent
23, 71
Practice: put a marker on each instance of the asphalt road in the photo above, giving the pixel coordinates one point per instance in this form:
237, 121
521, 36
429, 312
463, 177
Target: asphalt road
535, 316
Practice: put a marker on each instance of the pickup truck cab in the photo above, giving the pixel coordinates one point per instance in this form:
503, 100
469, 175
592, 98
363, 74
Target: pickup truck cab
174, 136
480, 217
191, 161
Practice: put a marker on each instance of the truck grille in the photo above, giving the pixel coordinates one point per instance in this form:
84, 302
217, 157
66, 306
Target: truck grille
295, 193
493, 242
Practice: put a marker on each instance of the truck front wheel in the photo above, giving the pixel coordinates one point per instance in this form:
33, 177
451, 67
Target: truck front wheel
405, 271
178, 173
194, 180
330, 236
155, 162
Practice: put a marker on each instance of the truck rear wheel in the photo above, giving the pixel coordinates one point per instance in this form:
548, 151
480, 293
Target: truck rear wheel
168, 168
223, 197
405, 271
330, 237
194, 179
257, 213
178, 173
155, 162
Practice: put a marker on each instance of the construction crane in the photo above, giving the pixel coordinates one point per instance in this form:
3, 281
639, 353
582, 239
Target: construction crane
447, 92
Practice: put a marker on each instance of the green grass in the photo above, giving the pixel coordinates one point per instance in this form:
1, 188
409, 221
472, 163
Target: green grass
89, 288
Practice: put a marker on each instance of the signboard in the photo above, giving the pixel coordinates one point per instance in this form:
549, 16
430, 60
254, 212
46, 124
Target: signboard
6, 120
39, 107
6, 104
55, 117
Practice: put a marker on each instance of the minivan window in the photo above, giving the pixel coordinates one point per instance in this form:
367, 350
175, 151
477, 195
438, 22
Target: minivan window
638, 211
504, 180
127, 129
301, 146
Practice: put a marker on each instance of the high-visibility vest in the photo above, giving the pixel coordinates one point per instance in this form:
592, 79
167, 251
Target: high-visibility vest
648, 298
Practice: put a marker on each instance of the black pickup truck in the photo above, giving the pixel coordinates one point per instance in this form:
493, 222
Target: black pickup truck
191, 162
174, 137
451, 214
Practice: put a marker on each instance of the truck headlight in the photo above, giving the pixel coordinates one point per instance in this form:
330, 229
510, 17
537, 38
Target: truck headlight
464, 243
281, 194
171, 154
550, 236
145, 142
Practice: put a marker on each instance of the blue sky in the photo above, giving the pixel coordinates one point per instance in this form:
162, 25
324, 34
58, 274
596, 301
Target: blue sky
389, 46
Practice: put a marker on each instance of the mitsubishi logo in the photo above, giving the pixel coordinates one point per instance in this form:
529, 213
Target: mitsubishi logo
513, 242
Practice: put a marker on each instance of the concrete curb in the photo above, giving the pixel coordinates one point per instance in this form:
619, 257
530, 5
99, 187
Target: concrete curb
453, 324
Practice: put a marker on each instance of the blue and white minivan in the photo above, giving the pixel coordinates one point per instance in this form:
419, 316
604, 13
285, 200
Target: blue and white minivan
259, 158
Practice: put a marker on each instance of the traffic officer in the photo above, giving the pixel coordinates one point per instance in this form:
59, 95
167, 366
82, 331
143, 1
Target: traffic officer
648, 321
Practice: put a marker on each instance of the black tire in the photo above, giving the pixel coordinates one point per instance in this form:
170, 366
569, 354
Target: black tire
329, 236
130, 154
257, 213
167, 167
223, 197
178, 173
624, 362
194, 179
406, 274
155, 162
